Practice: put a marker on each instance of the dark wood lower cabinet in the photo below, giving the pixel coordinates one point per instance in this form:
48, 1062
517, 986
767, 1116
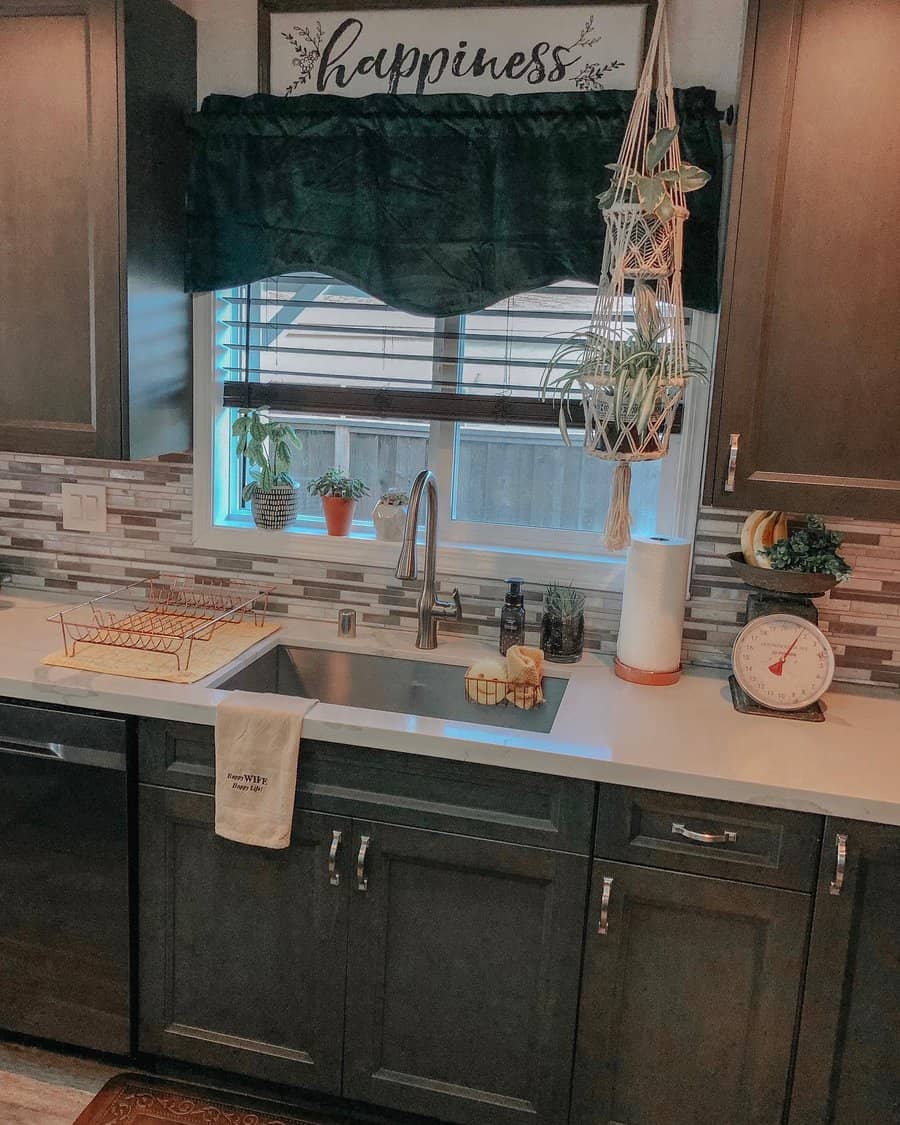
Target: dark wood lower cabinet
463, 977
243, 950
848, 1059
689, 999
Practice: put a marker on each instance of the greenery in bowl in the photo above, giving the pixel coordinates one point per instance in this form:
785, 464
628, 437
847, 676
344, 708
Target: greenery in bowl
812, 549
652, 190
336, 483
628, 376
267, 447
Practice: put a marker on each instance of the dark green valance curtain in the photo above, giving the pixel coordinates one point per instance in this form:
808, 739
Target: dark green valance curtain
436, 203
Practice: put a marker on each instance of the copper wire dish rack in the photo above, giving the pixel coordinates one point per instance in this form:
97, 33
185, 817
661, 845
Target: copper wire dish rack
492, 692
162, 615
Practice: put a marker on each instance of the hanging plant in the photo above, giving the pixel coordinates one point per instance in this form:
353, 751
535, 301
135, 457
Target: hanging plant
652, 189
630, 366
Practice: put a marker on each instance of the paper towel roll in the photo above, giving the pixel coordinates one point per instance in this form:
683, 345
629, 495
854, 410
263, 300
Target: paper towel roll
653, 604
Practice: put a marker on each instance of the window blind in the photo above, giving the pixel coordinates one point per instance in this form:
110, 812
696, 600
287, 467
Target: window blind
309, 344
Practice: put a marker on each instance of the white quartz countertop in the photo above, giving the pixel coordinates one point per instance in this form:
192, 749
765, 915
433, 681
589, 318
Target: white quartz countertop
685, 738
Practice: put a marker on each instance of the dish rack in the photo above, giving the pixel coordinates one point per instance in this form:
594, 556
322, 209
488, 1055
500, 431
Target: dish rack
163, 615
491, 692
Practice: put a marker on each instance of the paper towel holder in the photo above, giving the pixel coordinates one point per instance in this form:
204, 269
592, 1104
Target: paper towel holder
645, 678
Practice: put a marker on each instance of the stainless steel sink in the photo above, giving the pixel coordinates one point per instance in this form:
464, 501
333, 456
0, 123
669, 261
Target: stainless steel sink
387, 683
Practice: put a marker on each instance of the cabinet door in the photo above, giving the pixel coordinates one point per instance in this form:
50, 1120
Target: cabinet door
59, 228
242, 949
689, 999
463, 976
848, 1071
807, 355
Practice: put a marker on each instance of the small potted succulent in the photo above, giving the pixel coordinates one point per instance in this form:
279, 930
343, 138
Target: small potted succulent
562, 624
389, 515
267, 447
339, 494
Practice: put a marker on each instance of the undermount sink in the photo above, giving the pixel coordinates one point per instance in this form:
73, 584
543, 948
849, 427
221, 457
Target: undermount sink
387, 683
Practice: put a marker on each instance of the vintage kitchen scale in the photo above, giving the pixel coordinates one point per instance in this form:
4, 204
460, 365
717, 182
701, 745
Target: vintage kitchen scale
782, 662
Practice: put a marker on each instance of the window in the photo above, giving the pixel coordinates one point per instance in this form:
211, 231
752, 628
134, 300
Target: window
384, 393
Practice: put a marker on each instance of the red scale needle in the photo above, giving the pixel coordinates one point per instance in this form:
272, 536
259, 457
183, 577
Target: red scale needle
778, 667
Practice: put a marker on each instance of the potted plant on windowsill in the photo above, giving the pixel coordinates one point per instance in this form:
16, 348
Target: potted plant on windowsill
267, 446
339, 495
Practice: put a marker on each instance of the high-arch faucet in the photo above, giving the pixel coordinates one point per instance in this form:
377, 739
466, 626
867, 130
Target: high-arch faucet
430, 606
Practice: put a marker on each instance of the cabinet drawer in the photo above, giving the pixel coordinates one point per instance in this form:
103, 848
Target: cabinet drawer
77, 736
742, 842
422, 792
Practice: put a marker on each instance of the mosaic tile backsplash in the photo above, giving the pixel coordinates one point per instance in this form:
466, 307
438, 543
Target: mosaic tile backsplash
150, 530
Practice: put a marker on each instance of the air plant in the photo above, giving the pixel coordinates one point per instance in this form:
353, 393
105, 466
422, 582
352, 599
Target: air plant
563, 601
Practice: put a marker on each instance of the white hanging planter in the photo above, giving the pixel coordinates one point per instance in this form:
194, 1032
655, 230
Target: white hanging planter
630, 366
647, 246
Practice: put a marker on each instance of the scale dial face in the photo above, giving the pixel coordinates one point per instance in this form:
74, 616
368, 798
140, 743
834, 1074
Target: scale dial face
782, 661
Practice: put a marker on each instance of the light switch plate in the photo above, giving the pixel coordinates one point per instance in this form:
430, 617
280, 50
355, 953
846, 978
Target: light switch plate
84, 507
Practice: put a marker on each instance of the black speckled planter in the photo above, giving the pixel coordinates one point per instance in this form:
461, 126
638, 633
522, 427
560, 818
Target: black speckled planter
275, 509
562, 638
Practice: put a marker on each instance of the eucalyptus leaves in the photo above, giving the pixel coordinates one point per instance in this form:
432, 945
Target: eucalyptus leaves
651, 188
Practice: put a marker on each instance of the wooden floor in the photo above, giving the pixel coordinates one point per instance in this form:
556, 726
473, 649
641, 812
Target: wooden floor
43, 1088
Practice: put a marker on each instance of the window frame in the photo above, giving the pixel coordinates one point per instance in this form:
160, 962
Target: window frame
575, 556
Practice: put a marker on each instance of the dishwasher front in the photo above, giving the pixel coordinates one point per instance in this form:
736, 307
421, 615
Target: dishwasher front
64, 876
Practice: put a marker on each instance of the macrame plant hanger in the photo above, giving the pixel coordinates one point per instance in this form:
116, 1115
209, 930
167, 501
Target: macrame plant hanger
631, 391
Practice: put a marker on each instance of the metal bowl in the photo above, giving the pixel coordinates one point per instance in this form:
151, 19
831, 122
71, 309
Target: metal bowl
781, 581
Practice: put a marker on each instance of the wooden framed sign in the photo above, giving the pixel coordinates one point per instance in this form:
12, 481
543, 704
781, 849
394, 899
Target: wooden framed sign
351, 48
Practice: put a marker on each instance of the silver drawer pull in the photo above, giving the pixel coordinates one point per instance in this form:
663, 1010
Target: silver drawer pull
362, 880
334, 876
731, 471
840, 868
603, 924
705, 837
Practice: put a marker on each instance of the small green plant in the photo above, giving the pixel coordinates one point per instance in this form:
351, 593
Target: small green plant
812, 549
627, 377
267, 448
336, 483
652, 189
563, 601
395, 497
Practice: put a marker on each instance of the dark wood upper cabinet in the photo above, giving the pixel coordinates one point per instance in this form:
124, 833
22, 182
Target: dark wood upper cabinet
847, 1070
95, 328
808, 351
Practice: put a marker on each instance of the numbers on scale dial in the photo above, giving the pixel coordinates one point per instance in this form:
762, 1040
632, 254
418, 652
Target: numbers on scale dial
783, 661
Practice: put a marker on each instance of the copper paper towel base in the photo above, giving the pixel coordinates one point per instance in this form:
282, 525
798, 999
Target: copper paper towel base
647, 679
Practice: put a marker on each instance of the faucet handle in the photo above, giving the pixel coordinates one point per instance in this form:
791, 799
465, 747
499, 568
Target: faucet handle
449, 609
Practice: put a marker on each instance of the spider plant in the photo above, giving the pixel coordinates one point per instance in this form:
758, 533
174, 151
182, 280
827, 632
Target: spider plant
625, 377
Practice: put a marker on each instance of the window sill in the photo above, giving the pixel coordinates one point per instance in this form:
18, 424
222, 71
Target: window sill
460, 560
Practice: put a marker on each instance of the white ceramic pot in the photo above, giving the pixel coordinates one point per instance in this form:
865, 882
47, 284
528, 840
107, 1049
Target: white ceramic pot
274, 510
389, 517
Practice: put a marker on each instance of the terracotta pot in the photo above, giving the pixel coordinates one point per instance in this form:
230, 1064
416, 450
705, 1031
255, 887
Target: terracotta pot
338, 514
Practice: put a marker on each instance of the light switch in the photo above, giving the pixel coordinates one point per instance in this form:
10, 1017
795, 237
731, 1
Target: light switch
84, 507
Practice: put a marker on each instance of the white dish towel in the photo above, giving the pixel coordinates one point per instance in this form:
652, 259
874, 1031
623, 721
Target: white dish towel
257, 749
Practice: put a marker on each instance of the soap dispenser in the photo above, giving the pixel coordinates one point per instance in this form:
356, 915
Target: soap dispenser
512, 616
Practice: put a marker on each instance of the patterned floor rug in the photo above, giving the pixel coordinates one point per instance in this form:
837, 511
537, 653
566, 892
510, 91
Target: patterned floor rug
131, 1099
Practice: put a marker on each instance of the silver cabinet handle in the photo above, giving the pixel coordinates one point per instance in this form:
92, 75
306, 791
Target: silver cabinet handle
725, 837
362, 880
732, 462
603, 924
334, 876
840, 868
